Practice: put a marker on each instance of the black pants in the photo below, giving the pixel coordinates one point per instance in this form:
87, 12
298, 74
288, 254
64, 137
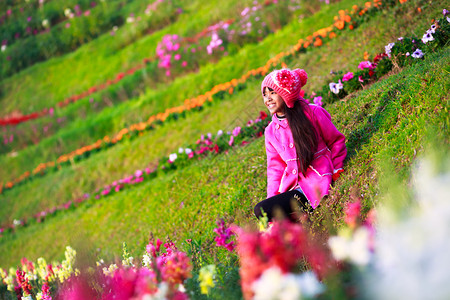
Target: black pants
285, 205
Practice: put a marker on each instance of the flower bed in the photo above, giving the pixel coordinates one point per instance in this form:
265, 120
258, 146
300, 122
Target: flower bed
365, 259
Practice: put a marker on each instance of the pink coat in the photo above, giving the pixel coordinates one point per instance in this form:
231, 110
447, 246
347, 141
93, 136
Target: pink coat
282, 169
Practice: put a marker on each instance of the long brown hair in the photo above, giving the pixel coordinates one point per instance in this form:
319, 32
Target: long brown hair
303, 132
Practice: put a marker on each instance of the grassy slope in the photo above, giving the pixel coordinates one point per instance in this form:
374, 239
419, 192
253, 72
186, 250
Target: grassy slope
387, 120
112, 119
125, 158
318, 65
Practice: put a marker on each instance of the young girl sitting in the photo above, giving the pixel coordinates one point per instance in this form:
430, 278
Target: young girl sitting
305, 151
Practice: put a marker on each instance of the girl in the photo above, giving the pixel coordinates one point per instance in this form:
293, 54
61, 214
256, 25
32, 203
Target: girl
305, 151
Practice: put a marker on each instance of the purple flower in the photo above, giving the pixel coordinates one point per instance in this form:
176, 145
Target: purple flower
427, 37
445, 12
417, 54
318, 100
347, 76
336, 87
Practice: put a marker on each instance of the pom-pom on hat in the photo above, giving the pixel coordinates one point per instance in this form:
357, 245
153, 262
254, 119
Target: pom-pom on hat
286, 83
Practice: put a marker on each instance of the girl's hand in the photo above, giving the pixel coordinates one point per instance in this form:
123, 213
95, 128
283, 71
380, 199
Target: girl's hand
337, 174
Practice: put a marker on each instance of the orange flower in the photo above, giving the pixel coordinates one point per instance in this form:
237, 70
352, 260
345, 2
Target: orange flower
419, 9
350, 27
332, 35
339, 24
402, 1
318, 42
347, 18
283, 65
366, 55
369, 4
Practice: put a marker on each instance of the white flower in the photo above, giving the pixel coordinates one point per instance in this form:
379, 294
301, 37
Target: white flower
411, 259
220, 132
388, 48
310, 285
130, 20
67, 12
188, 151
146, 260
17, 222
353, 248
3, 48
336, 87
45, 23
180, 150
110, 270
417, 54
427, 37
173, 157
273, 285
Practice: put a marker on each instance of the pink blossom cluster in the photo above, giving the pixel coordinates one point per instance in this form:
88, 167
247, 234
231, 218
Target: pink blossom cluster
165, 49
284, 246
223, 235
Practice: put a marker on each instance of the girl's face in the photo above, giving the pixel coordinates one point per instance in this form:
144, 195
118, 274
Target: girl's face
273, 102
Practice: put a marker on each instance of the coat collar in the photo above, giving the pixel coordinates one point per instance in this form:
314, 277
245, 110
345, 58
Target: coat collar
283, 123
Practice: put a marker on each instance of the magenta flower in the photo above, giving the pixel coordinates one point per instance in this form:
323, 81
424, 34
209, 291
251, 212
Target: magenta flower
360, 79
366, 65
177, 57
231, 141
347, 76
223, 235
236, 131
318, 100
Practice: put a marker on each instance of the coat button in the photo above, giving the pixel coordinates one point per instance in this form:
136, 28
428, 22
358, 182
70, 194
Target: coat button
294, 171
291, 145
278, 126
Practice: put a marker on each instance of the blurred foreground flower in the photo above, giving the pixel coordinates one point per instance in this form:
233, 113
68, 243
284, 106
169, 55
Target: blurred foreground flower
411, 258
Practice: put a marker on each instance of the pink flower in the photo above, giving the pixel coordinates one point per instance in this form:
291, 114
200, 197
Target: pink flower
236, 131
184, 64
223, 235
68, 25
318, 100
231, 141
366, 65
360, 79
347, 76
167, 73
177, 56
352, 213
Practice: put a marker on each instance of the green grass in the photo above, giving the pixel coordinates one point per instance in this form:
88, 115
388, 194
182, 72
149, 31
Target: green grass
389, 119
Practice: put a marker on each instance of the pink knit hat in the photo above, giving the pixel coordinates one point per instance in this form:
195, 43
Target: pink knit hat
286, 83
